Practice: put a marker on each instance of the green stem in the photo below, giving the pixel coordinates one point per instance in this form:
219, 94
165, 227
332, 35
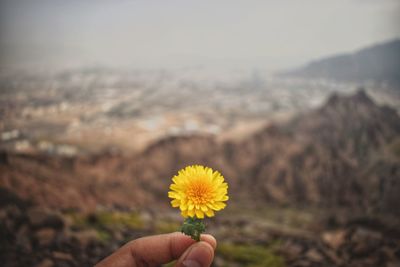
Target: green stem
193, 227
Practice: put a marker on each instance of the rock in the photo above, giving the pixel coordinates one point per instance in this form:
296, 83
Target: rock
397, 253
218, 261
371, 261
314, 255
302, 263
39, 218
393, 264
9, 217
363, 249
45, 236
46, 263
334, 239
13, 211
365, 242
62, 256
332, 255
291, 250
3, 214
365, 235
146, 217
117, 235
389, 253
22, 239
84, 237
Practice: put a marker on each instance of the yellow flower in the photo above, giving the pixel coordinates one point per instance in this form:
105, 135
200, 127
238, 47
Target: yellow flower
198, 191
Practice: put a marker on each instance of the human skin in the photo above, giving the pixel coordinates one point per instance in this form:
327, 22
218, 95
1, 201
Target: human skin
160, 249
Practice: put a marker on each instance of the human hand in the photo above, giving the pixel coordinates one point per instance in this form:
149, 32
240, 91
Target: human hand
160, 249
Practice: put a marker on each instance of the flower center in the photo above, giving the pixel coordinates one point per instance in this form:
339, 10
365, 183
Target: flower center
199, 192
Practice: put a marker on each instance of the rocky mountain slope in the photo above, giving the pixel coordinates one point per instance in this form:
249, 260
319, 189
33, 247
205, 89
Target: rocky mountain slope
379, 63
338, 155
344, 154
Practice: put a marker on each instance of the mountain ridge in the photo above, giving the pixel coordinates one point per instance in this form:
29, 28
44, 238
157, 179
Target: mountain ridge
379, 63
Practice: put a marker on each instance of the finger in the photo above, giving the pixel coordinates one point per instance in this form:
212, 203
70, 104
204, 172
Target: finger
153, 250
160, 249
149, 251
200, 254
210, 240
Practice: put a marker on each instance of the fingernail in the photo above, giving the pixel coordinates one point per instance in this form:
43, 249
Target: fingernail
192, 258
191, 263
199, 255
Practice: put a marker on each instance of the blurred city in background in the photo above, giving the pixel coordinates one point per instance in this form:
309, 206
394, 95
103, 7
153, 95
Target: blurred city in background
295, 103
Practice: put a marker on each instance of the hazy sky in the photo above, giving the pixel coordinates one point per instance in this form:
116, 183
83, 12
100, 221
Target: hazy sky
175, 33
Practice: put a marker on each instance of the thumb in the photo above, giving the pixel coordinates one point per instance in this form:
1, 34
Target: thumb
200, 254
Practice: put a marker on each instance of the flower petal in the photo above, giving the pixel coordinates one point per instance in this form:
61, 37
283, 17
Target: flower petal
210, 213
199, 214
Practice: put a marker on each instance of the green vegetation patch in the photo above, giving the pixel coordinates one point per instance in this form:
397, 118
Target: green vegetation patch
104, 223
250, 255
108, 220
103, 236
119, 219
163, 227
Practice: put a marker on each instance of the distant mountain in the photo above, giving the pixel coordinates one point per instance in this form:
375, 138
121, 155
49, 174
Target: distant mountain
378, 63
344, 154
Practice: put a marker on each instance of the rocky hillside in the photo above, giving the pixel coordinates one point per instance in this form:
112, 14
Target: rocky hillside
344, 154
338, 155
